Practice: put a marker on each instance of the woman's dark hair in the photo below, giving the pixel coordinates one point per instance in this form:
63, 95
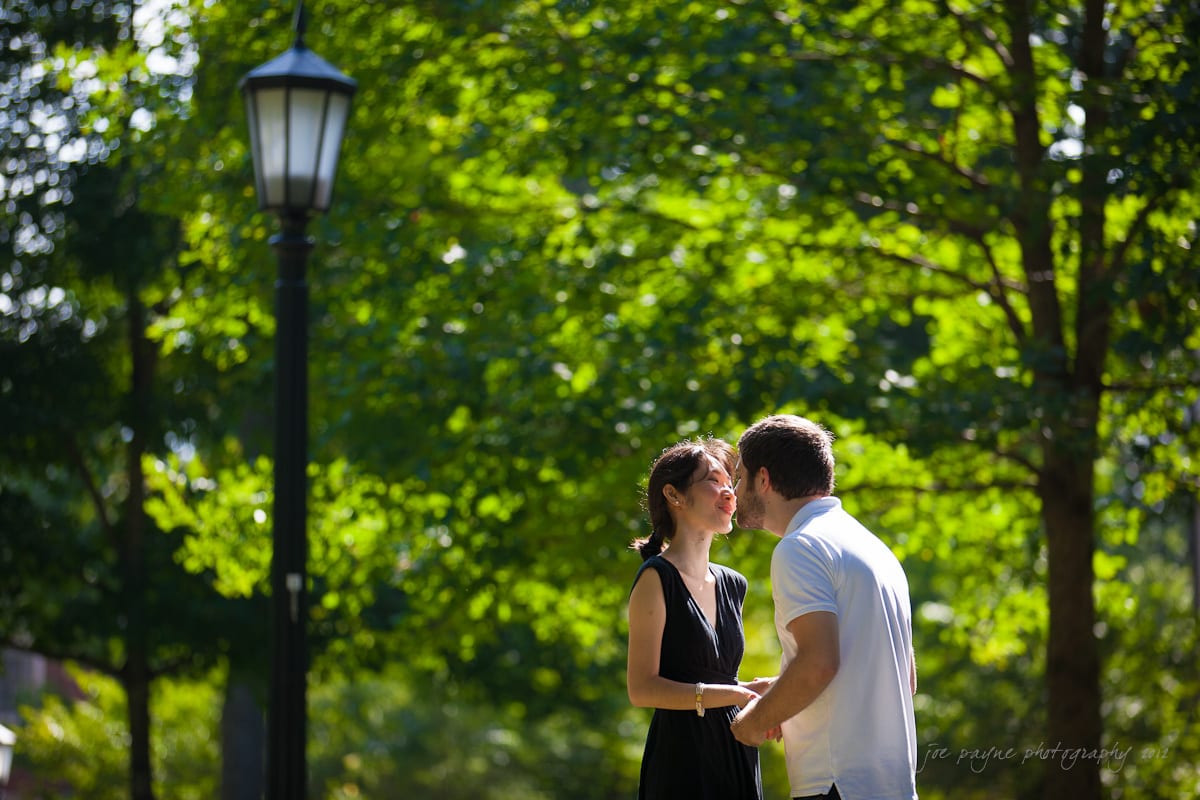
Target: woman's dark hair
676, 466
797, 452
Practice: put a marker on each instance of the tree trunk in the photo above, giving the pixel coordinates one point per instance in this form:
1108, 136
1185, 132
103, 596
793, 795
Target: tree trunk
1074, 726
136, 672
137, 692
243, 739
1070, 391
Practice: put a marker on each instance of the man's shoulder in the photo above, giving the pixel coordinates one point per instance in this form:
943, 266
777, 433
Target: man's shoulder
804, 549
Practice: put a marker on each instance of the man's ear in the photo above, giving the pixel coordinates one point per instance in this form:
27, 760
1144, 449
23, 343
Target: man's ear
765, 478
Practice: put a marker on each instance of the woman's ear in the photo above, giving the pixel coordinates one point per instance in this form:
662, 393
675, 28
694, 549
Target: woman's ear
672, 495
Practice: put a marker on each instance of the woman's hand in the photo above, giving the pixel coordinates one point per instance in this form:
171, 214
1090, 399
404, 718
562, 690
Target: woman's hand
743, 693
759, 685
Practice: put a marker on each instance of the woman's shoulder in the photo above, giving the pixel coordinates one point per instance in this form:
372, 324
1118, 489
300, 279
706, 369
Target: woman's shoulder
656, 564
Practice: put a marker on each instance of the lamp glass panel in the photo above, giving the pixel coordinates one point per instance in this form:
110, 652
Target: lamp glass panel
6, 755
270, 125
331, 143
255, 144
306, 111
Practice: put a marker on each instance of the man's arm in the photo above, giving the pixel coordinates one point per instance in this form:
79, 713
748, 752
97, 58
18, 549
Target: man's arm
801, 682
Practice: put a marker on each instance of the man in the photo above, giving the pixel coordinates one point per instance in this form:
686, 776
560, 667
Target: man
844, 695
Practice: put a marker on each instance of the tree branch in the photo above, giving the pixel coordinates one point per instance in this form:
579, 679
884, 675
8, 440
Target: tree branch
1117, 262
1020, 460
976, 180
924, 263
1000, 295
985, 31
1130, 387
93, 491
1000, 284
938, 487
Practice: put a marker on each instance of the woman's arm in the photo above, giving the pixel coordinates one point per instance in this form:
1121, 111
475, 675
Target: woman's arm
647, 689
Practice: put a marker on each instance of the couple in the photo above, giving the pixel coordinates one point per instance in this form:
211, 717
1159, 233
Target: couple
842, 702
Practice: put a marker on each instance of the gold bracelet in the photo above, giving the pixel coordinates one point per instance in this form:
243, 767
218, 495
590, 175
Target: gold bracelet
699, 699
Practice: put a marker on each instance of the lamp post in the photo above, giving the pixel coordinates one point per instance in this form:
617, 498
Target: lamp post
8, 742
297, 105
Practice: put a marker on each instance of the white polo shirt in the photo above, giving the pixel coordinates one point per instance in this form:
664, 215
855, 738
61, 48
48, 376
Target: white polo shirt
860, 733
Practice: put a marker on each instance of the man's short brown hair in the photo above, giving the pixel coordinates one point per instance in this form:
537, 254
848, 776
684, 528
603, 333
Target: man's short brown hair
797, 452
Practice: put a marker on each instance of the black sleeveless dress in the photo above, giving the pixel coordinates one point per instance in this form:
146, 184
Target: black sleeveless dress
689, 757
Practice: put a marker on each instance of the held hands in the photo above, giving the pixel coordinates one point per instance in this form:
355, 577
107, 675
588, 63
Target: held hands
759, 685
745, 732
745, 695
743, 729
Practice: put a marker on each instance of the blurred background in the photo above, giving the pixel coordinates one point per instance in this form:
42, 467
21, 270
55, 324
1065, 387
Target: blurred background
566, 234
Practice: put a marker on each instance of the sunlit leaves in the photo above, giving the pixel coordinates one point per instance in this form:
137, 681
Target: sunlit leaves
226, 516
84, 742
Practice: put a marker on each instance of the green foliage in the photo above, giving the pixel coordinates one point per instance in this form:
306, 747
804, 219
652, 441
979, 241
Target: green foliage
377, 739
77, 746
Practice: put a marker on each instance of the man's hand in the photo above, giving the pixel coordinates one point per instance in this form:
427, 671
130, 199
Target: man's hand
742, 730
745, 731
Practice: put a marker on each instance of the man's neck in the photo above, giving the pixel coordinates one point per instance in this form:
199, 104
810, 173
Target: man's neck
785, 510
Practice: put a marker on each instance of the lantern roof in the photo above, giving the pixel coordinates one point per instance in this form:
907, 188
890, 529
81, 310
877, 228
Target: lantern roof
298, 67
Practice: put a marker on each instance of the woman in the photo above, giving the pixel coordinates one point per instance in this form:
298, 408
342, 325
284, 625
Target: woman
685, 633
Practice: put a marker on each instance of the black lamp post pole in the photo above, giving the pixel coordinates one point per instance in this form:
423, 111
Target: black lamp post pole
297, 105
287, 717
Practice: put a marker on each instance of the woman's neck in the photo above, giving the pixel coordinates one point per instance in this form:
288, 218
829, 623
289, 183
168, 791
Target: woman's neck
689, 552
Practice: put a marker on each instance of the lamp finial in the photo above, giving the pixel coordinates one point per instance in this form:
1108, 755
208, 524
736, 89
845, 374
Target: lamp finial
300, 24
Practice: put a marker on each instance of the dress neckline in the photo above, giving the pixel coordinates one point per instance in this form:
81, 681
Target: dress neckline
711, 623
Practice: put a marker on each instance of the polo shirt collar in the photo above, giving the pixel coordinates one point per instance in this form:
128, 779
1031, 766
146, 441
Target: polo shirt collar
810, 510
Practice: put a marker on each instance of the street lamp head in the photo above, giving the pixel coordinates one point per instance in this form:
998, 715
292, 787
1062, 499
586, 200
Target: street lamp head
8, 741
297, 105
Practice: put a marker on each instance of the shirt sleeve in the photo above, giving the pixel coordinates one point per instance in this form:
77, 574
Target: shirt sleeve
803, 577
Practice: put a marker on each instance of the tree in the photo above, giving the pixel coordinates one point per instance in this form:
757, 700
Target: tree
89, 269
